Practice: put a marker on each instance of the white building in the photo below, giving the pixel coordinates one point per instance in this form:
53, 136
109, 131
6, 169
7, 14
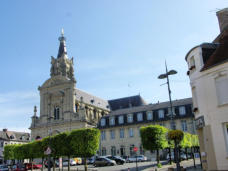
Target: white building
11, 137
208, 72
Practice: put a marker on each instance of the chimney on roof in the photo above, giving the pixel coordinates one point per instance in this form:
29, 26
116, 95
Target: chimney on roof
222, 18
4, 130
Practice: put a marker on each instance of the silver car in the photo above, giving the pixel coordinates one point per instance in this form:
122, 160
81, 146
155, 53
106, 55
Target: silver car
4, 167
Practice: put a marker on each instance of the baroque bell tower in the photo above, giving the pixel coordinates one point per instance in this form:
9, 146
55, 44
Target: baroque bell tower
63, 107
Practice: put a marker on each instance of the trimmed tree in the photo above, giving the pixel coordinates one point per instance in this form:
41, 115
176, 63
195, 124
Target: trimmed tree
154, 138
85, 142
176, 136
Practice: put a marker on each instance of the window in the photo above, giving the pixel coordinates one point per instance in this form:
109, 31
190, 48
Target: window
103, 151
76, 107
161, 113
172, 125
122, 151
131, 132
56, 113
149, 116
184, 126
120, 119
103, 135
130, 118
103, 122
141, 151
112, 134
1, 144
182, 110
131, 149
192, 63
169, 111
113, 150
111, 120
221, 84
226, 135
139, 116
121, 133
194, 98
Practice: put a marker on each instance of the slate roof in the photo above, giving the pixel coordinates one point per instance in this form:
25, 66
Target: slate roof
220, 55
15, 136
91, 99
151, 107
126, 102
187, 103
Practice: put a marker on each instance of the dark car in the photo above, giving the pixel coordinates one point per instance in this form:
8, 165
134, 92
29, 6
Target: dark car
118, 159
103, 161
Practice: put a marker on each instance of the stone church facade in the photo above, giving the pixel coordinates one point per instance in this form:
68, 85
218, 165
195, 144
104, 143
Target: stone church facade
63, 107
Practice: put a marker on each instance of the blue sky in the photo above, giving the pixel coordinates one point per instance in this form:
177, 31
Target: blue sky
115, 43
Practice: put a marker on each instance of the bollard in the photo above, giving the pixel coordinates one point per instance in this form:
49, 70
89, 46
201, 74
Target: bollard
128, 169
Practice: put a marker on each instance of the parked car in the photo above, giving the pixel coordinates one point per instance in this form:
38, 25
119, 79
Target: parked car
103, 161
18, 167
29, 166
118, 159
4, 167
139, 158
91, 160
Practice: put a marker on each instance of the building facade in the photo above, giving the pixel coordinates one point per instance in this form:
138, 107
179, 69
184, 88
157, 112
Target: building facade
120, 130
63, 107
11, 137
208, 73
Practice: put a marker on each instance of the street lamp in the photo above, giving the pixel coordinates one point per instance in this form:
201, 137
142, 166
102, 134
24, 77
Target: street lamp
49, 139
163, 76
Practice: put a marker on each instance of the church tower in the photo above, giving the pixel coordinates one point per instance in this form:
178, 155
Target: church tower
62, 106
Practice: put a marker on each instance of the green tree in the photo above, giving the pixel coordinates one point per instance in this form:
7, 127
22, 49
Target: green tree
85, 142
154, 138
9, 152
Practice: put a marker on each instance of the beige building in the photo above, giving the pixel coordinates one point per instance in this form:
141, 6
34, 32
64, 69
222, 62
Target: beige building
63, 107
208, 73
120, 129
11, 137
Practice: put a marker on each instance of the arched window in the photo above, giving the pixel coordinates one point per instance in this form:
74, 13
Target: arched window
56, 113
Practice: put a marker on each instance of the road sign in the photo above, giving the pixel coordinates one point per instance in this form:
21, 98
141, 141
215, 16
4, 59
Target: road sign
47, 151
135, 149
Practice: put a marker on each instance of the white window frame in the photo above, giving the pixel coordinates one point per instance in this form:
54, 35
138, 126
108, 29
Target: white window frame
103, 135
184, 127
121, 119
112, 120
140, 116
147, 115
131, 132
161, 114
103, 122
112, 134
121, 132
182, 110
128, 118
218, 79
225, 129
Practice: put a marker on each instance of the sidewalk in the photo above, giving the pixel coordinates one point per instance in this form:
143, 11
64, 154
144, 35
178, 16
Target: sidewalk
186, 164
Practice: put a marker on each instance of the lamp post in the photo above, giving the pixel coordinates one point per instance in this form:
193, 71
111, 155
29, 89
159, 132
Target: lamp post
163, 76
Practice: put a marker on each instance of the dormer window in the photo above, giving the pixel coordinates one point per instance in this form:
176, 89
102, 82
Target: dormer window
130, 118
149, 115
103, 122
182, 110
120, 119
139, 116
12, 137
112, 120
161, 113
